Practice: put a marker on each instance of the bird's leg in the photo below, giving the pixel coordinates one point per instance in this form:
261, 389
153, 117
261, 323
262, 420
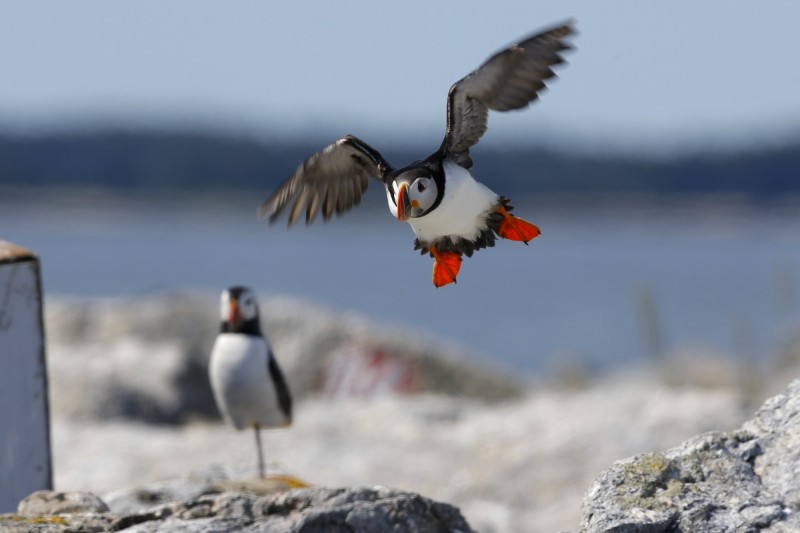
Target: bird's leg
514, 228
262, 471
445, 266
287, 479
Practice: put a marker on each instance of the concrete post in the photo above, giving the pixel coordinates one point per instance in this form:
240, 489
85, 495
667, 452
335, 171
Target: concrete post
24, 414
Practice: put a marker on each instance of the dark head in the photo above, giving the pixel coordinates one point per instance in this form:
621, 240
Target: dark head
415, 191
239, 311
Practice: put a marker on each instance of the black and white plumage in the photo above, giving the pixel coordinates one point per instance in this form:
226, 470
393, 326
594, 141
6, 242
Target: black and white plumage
446, 207
247, 382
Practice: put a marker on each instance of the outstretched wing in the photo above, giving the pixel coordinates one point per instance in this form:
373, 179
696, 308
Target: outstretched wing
510, 79
331, 181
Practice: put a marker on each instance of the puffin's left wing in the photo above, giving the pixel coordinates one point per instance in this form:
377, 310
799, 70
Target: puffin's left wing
332, 181
510, 79
281, 388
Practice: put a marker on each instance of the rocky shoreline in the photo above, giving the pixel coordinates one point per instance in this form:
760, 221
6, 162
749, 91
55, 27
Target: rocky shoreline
133, 422
741, 480
309, 510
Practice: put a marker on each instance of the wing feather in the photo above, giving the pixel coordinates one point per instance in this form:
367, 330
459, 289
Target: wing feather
312, 207
357, 192
345, 200
510, 79
297, 208
331, 181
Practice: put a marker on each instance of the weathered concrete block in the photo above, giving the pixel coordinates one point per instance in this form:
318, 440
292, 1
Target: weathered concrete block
24, 418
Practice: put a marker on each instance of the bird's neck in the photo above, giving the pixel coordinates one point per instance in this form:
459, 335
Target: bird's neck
250, 327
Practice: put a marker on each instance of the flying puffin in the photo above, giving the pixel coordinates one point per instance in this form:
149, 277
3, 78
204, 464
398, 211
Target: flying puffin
247, 382
451, 213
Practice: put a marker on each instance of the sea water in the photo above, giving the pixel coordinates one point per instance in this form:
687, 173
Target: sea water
606, 283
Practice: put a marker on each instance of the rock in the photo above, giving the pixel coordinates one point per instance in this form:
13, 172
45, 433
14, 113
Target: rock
191, 487
142, 497
743, 480
777, 427
358, 510
49, 502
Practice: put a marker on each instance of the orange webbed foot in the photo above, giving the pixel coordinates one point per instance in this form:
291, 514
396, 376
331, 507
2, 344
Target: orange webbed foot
445, 267
516, 229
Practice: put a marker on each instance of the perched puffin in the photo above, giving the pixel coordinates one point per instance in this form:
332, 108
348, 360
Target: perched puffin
451, 213
248, 384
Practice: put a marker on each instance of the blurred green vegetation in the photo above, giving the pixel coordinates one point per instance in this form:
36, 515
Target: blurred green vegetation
161, 160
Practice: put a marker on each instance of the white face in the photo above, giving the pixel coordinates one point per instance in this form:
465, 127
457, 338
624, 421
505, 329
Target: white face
420, 192
247, 305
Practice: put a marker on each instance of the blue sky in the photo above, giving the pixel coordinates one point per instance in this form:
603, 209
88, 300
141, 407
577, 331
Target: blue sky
644, 73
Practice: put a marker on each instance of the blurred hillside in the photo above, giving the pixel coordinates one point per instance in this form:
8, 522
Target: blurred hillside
159, 160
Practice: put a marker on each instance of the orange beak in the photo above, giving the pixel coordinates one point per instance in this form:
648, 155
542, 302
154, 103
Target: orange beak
233, 313
403, 203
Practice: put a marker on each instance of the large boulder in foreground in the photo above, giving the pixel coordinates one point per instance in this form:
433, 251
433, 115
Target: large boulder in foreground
354, 510
743, 480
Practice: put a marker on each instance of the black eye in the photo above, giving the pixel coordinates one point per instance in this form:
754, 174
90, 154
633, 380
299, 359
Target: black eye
420, 186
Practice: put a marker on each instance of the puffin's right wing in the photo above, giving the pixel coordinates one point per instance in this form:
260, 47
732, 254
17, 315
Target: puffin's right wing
510, 79
332, 181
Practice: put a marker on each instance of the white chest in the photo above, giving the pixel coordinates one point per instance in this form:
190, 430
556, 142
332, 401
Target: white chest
461, 213
237, 360
241, 382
